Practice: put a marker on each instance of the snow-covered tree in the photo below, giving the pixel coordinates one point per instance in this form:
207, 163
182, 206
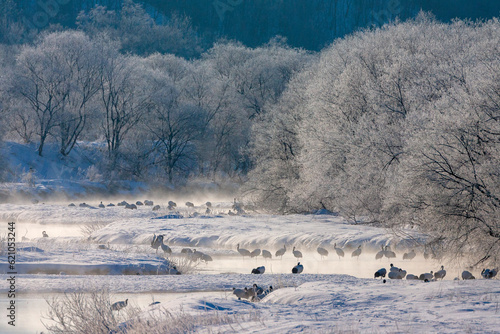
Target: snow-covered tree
174, 126
57, 78
123, 100
397, 125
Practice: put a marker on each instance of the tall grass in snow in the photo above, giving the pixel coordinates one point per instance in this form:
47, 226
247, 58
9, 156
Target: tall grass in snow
91, 313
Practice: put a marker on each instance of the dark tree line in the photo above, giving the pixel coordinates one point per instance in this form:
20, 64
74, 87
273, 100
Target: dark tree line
307, 24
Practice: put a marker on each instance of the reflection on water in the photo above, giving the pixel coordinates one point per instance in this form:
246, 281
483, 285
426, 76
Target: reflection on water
33, 231
364, 267
31, 307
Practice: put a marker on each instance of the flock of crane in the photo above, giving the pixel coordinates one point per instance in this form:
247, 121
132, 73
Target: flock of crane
394, 272
398, 273
237, 208
255, 293
193, 254
323, 252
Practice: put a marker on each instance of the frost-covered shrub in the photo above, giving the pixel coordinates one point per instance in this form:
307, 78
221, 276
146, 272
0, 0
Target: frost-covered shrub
90, 312
85, 312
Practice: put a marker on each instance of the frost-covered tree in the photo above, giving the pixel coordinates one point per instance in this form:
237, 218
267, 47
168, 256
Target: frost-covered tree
248, 81
453, 147
174, 126
219, 114
275, 149
56, 78
123, 99
397, 125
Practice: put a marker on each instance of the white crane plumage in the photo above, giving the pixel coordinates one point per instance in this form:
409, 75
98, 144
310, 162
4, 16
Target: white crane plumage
380, 273
206, 258
380, 253
440, 273
394, 274
388, 253
426, 277
393, 268
280, 252
255, 252
259, 270
244, 252
257, 289
402, 273
323, 252
156, 242
339, 251
357, 252
241, 293
266, 254
196, 255
165, 248
264, 293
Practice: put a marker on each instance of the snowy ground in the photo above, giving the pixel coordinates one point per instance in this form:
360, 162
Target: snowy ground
332, 295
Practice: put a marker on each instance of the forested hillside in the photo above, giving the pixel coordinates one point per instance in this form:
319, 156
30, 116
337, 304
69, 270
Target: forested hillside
309, 24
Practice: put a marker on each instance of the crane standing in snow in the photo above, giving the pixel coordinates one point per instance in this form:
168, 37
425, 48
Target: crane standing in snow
357, 252
156, 242
242, 251
323, 252
280, 252
440, 273
266, 254
119, 305
339, 251
380, 254
255, 252
297, 253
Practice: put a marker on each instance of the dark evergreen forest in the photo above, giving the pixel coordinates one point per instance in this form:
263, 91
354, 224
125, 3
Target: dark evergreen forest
310, 24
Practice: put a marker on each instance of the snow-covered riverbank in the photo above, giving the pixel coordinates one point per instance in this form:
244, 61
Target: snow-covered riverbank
334, 294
